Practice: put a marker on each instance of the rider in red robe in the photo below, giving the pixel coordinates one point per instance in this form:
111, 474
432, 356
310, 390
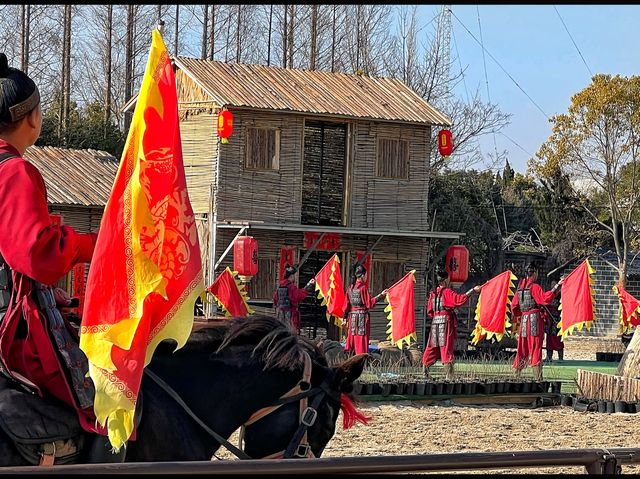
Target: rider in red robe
288, 297
38, 347
357, 303
528, 316
444, 325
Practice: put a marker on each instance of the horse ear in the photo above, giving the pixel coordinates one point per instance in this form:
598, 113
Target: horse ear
349, 371
320, 346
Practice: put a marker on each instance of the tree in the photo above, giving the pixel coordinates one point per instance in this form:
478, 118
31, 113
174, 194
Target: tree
597, 142
507, 174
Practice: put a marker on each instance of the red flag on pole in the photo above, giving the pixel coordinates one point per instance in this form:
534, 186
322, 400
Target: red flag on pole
331, 289
146, 271
629, 309
577, 303
230, 294
492, 310
400, 300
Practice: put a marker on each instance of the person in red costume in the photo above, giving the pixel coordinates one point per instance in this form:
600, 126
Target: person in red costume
444, 324
38, 347
357, 303
288, 297
527, 314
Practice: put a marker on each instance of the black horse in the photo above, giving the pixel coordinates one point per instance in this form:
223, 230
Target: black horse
224, 374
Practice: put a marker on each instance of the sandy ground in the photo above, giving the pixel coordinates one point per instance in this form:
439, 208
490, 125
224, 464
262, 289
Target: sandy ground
586, 348
405, 427
415, 428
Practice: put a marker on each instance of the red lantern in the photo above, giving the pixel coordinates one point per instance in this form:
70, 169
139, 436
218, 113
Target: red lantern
445, 142
245, 257
457, 264
225, 125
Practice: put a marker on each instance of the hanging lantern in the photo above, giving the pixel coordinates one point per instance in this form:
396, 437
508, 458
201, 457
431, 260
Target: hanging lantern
245, 257
457, 264
225, 125
445, 142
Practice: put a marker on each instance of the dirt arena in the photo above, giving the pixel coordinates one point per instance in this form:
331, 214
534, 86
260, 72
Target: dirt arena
413, 427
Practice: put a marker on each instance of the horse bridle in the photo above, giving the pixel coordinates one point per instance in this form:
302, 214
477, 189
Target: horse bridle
301, 392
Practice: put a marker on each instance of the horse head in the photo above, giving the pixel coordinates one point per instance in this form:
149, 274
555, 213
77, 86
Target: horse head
302, 420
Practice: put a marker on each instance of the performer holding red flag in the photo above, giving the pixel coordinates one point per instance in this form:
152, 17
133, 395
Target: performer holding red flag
288, 297
37, 346
357, 304
444, 325
527, 313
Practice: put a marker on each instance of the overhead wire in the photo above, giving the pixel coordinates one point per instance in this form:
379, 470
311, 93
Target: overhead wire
486, 77
464, 77
500, 65
574, 42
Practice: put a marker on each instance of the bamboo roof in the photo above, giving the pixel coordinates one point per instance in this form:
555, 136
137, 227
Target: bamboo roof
305, 91
75, 177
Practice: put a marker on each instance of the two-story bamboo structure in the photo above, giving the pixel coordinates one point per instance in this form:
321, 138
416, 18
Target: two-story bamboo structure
311, 152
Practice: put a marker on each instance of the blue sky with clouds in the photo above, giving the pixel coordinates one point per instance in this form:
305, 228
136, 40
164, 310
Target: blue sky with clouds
532, 45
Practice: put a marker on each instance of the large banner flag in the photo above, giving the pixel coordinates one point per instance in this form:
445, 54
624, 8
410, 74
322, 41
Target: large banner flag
492, 310
146, 271
230, 294
401, 308
629, 309
330, 289
577, 293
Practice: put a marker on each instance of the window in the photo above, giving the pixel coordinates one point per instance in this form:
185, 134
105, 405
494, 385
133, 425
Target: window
263, 284
385, 274
393, 158
263, 149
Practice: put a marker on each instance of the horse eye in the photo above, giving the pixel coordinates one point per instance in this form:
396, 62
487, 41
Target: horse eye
304, 385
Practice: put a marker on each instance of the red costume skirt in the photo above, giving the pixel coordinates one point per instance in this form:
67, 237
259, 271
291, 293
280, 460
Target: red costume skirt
530, 347
442, 352
358, 344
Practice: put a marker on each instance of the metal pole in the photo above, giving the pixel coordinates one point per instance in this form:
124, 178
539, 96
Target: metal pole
213, 228
594, 460
226, 251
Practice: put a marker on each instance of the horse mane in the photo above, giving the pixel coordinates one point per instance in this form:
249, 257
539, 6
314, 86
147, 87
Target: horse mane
276, 344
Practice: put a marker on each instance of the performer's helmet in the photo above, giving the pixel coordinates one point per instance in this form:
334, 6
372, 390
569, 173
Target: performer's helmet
19, 95
360, 271
290, 271
442, 274
532, 268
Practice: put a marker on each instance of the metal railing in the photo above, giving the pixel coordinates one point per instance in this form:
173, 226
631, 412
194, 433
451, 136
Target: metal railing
595, 461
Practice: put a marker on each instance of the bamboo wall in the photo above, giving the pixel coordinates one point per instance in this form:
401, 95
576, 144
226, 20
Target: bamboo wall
384, 203
272, 196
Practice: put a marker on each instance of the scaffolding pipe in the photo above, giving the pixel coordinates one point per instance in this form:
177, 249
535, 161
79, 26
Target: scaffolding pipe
596, 461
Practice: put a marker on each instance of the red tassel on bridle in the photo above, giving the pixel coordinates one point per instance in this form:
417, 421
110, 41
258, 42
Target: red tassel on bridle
350, 413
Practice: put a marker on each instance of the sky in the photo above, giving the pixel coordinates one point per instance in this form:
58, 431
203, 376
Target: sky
532, 45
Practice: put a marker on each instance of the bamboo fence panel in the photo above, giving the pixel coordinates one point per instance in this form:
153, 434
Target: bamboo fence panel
594, 385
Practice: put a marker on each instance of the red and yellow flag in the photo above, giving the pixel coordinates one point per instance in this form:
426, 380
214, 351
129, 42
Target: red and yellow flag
629, 309
146, 272
330, 289
230, 294
578, 296
492, 310
401, 308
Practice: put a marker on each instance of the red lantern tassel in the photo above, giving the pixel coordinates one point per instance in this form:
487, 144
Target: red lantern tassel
350, 413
